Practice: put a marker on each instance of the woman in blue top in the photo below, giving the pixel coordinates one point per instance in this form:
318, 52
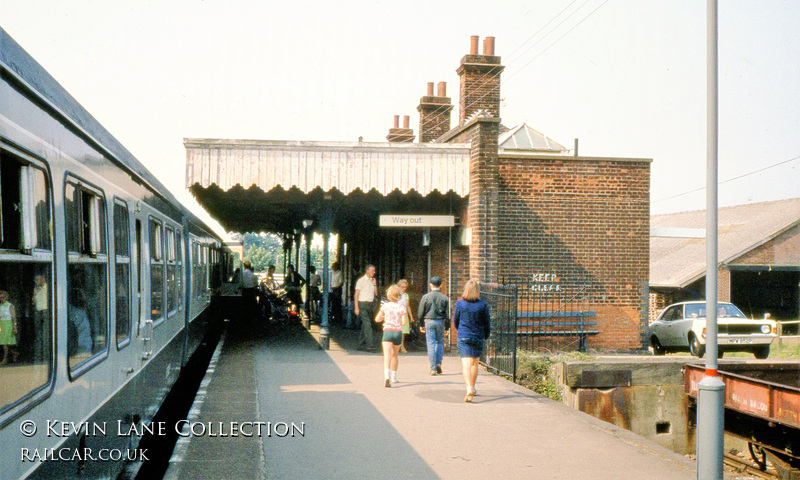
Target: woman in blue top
471, 319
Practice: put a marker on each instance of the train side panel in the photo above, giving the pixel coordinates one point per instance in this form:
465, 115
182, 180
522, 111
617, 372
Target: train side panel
98, 273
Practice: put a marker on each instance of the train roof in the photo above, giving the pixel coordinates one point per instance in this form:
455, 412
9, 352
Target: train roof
18, 63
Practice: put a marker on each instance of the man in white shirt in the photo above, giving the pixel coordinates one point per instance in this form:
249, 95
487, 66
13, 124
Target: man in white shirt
366, 290
249, 290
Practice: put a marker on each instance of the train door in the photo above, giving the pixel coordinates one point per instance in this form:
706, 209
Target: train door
144, 329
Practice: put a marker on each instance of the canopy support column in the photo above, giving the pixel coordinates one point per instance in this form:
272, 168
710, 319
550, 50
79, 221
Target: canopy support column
326, 224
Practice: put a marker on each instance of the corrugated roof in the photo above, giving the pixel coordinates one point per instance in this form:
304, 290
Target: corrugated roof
677, 260
344, 166
523, 137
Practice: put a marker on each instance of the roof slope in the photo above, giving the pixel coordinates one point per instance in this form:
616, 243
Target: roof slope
523, 137
680, 259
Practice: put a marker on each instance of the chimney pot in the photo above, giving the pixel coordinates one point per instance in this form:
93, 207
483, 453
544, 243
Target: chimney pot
442, 89
479, 81
430, 89
473, 45
405, 121
397, 121
488, 46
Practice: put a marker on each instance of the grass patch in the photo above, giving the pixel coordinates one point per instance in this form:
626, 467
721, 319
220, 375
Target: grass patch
534, 371
787, 351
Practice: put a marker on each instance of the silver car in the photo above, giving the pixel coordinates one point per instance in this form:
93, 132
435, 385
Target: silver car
682, 327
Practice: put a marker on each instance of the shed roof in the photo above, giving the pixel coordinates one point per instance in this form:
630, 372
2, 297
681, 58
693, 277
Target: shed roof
677, 240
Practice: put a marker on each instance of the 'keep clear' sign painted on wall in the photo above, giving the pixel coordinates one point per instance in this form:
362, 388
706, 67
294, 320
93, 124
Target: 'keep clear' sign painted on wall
546, 282
417, 221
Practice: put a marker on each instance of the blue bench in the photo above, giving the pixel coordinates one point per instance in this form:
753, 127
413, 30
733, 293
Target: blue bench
552, 327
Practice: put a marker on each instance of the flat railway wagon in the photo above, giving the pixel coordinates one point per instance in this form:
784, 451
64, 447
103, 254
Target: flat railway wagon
106, 284
762, 406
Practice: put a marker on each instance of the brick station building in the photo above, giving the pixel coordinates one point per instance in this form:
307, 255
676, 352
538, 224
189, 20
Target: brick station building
526, 210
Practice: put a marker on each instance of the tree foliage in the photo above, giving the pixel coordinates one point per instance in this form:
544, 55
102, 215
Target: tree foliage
267, 249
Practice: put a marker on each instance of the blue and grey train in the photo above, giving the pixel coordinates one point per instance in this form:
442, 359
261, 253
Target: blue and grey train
106, 284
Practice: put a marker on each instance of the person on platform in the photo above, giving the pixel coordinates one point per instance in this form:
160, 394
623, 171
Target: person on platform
337, 283
41, 319
394, 317
293, 283
8, 328
266, 288
314, 292
269, 281
434, 311
471, 320
249, 290
366, 291
403, 284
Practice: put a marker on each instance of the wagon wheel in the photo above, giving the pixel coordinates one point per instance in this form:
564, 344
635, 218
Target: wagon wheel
758, 455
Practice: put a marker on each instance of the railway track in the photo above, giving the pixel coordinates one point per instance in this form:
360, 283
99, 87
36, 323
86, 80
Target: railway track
749, 468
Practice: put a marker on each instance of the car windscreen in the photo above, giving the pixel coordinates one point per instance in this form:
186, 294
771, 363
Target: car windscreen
729, 310
723, 310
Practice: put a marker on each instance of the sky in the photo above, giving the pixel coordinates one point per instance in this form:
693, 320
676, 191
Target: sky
627, 78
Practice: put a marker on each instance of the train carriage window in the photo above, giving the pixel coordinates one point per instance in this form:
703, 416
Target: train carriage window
205, 268
122, 260
216, 275
172, 270
179, 262
156, 270
26, 266
196, 273
87, 273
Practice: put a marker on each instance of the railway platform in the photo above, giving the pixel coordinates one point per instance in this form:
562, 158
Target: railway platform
327, 414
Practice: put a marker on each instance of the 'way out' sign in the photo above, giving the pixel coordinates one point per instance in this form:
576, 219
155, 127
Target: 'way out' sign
417, 221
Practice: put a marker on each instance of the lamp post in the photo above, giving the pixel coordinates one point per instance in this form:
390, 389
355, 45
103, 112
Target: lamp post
711, 389
326, 224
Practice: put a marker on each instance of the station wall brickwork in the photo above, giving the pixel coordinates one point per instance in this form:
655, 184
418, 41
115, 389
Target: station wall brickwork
586, 221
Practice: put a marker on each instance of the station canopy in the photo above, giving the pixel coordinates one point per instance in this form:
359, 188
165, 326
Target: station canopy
276, 186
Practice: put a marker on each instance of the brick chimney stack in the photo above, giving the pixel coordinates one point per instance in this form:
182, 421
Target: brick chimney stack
400, 135
479, 80
434, 113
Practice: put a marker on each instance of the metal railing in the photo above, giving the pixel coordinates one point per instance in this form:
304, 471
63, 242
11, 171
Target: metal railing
500, 352
788, 328
535, 317
554, 316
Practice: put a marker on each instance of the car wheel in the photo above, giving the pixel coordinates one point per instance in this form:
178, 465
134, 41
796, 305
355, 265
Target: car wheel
657, 348
761, 352
695, 347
